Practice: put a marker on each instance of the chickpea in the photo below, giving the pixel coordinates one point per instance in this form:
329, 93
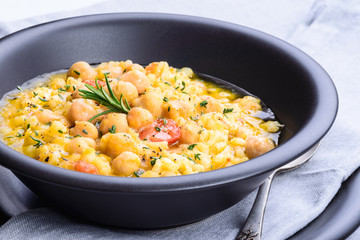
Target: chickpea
248, 103
148, 174
157, 68
126, 163
188, 71
76, 94
136, 66
127, 89
45, 116
84, 129
256, 146
82, 70
152, 101
189, 132
113, 68
114, 119
210, 104
81, 111
139, 117
242, 132
79, 144
138, 79
178, 108
115, 144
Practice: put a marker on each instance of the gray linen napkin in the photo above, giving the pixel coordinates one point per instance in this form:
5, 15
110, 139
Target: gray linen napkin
329, 31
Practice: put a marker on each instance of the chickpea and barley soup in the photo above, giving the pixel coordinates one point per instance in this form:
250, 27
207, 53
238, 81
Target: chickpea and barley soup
122, 119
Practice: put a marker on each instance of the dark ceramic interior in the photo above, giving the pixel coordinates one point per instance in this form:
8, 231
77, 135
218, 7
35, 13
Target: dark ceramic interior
292, 84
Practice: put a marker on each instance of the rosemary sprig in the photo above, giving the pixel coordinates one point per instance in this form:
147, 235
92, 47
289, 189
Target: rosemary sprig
100, 95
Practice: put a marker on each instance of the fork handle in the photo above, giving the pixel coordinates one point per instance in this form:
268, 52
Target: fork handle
253, 224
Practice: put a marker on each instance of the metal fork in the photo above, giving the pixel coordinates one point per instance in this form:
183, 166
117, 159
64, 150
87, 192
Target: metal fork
253, 224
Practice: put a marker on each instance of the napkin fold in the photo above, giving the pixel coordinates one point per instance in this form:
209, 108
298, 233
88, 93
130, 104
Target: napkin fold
327, 30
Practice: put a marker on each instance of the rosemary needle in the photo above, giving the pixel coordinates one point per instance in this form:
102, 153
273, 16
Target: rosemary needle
101, 96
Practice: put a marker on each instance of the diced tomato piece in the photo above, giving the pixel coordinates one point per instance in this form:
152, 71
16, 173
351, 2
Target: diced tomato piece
85, 167
92, 83
160, 130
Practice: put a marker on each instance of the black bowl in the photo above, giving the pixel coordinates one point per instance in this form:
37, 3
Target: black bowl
295, 87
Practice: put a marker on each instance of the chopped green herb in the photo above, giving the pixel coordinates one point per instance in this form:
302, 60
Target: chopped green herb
60, 131
153, 161
167, 83
36, 133
33, 105
177, 88
169, 109
184, 92
112, 129
69, 137
35, 94
191, 147
183, 83
43, 99
165, 99
197, 156
139, 172
146, 147
46, 105
19, 88
227, 110
194, 119
74, 88
61, 90
203, 103
84, 131
189, 158
10, 137
38, 142
60, 96
76, 72
199, 132
27, 126
77, 136
125, 70
18, 134
157, 129
67, 86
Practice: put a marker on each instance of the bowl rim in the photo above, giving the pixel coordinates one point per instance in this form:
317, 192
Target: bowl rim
318, 124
